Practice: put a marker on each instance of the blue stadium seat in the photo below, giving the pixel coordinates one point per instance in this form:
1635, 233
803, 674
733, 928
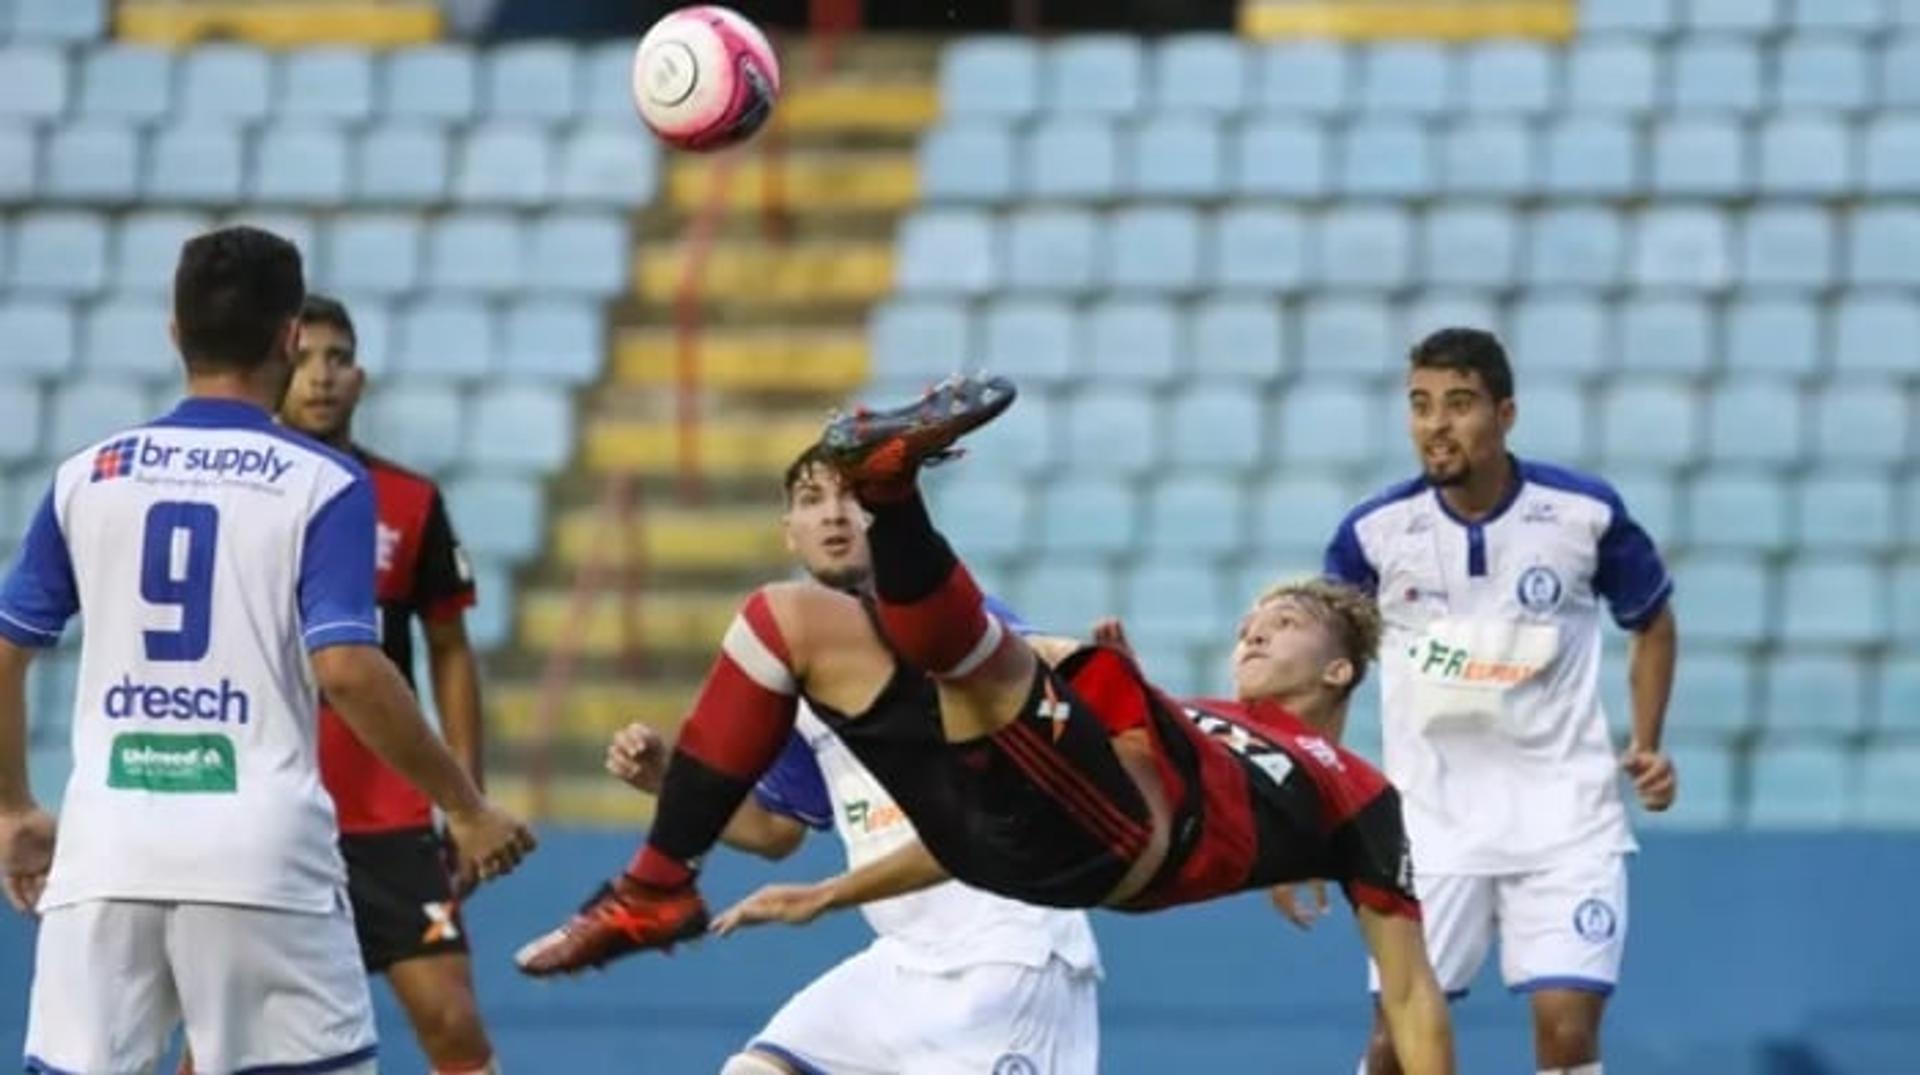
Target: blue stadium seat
1729, 598
1099, 74
1039, 338
1114, 431
421, 422
33, 82
1174, 601
1715, 75
987, 516
1756, 421
1874, 332
1860, 422
1206, 73
1197, 513
1066, 591
1833, 601
1386, 158
1821, 72
127, 337
1177, 157
1737, 509
328, 85
1073, 159
374, 252
1046, 250
1575, 247
1899, 83
1612, 75
490, 621
59, 252
1787, 246
1296, 513
1666, 335
1155, 249
1706, 157
1553, 422
1131, 340
194, 165
446, 337
532, 81
37, 337
1857, 16
20, 414
1561, 334
432, 83
1592, 157
554, 339
1311, 77
1435, 310
1510, 76
1884, 246
1715, 689
1799, 786
59, 20
1810, 156
19, 164
997, 77
947, 251
1088, 515
582, 253
1708, 803
1365, 247
504, 165
85, 411
1734, 16
402, 165
1892, 155
1906, 604
1896, 695
226, 83
1348, 335
1683, 248
967, 162
147, 247
1027, 440
126, 82
1330, 423
1469, 246
520, 429
1780, 336
606, 81
1823, 694
92, 162
1237, 340
1845, 511
1884, 797
1911, 530
300, 166
1638, 16
1652, 421
498, 516
1258, 248
297, 228
920, 340
1214, 427
1653, 498
1491, 156
614, 166
478, 251
1281, 158
1416, 78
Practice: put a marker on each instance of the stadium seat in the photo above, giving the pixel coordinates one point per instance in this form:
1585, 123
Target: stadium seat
1365, 247
920, 340
1296, 514
1051, 250
1892, 155
1039, 338
1179, 601
1651, 421
1799, 786
1715, 689
1092, 516
1682, 248
1215, 428
1206, 73
1469, 246
1492, 157
1787, 246
1386, 158
305, 166
1196, 513
295, 227
1906, 604
606, 81
1776, 337
1330, 423
497, 516
1553, 423
85, 411
1756, 421
1575, 247
613, 166
1616, 75
1860, 422
530, 81
1729, 598
20, 417
59, 20
1154, 249
1113, 431
1735, 508
33, 82
970, 162
59, 252
1896, 695
1715, 75
1066, 591
1311, 77
1634, 16
1280, 159
988, 517
1098, 74
402, 165
226, 83
996, 77
947, 251
374, 252
1348, 335
1709, 802
1734, 16
561, 340
1071, 159
1845, 511
1260, 249
92, 162
326, 85
19, 164
1435, 310
1666, 335
580, 253
146, 248
1911, 531
1591, 158
1884, 797
1883, 244
1567, 335
1028, 440
1179, 157
1510, 76
37, 337
520, 429
1854, 16
197, 164
1707, 157
420, 422
1824, 695
504, 165
1834, 601
433, 84
133, 83
478, 251
1826, 73
127, 337
490, 621
1131, 341
1414, 78
1237, 340
1876, 333
1808, 156
446, 337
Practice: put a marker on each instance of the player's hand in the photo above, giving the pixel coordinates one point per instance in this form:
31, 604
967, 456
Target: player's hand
796, 905
491, 843
1654, 776
26, 854
638, 757
1111, 632
1302, 913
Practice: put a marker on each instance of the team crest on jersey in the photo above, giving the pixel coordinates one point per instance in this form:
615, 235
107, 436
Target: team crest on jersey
1539, 590
1594, 921
1015, 1064
115, 460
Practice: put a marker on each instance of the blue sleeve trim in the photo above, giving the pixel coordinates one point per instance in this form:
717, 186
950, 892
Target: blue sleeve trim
1004, 612
795, 787
37, 1066
314, 1067
25, 634
39, 595
1346, 559
1569, 982
343, 633
792, 1059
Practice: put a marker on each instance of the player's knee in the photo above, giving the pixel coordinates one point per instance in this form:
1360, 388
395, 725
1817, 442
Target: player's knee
451, 1034
1565, 1038
753, 1063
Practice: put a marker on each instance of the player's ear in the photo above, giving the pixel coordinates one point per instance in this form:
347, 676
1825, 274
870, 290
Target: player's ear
1337, 673
1506, 410
786, 533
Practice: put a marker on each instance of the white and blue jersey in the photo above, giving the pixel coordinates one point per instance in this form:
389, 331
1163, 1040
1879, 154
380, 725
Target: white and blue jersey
1493, 726
208, 553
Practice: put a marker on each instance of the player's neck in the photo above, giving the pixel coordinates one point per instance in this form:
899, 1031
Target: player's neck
234, 386
1483, 491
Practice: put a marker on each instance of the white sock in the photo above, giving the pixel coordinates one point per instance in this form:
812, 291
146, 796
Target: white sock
1583, 1069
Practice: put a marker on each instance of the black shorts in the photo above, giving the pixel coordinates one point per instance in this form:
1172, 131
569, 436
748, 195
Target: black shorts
403, 904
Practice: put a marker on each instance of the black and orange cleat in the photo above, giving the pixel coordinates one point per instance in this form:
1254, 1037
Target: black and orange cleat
882, 450
622, 918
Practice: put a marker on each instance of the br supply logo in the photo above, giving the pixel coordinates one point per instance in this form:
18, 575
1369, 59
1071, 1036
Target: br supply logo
147, 761
129, 456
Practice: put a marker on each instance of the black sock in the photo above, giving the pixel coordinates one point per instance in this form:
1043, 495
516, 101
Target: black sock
910, 559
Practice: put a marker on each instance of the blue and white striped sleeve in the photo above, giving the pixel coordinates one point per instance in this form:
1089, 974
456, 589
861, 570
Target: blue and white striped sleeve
39, 596
336, 571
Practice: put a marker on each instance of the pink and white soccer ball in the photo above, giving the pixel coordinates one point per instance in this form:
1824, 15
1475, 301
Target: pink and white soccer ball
705, 78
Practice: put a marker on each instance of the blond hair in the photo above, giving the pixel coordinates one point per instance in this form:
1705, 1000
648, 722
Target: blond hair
1350, 614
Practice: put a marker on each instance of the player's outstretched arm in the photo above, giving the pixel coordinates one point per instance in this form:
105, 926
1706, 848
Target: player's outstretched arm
26, 831
906, 869
1410, 996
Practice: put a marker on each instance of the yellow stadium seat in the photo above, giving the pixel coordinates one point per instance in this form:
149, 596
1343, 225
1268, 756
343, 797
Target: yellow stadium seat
805, 181
734, 447
1442, 20
890, 108
810, 361
767, 273
670, 539
684, 623
280, 23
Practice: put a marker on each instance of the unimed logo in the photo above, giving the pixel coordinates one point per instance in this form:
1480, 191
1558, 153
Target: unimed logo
150, 761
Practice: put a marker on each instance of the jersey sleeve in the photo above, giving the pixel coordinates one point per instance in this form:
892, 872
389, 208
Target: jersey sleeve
794, 787
39, 596
1374, 859
443, 579
1346, 560
1629, 572
336, 571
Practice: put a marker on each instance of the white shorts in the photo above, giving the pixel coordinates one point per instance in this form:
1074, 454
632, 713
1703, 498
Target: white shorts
1560, 928
870, 1016
257, 988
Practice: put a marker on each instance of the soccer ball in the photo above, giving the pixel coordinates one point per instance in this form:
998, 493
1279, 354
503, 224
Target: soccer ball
705, 78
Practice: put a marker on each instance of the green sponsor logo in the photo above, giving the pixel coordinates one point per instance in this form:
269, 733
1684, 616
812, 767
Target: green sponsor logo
154, 762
